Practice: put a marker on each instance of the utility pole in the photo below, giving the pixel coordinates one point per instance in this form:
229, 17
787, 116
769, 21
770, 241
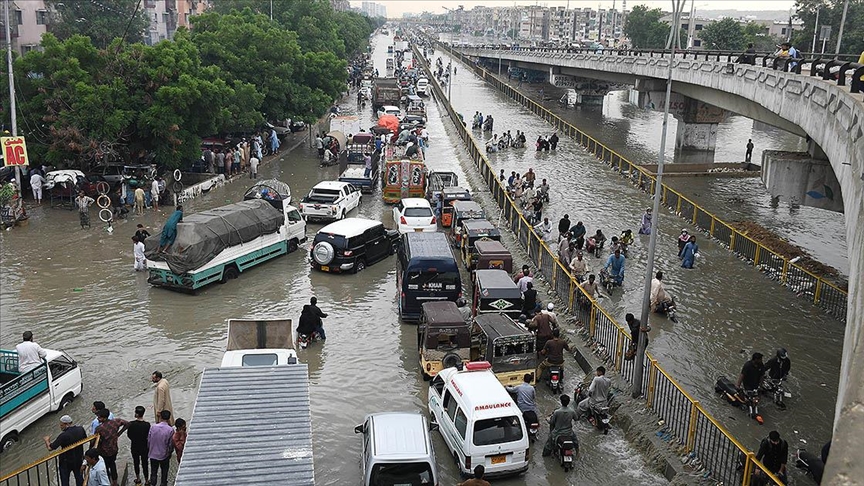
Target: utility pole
638, 365
12, 110
842, 23
815, 28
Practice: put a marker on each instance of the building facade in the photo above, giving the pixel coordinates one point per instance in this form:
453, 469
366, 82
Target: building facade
28, 20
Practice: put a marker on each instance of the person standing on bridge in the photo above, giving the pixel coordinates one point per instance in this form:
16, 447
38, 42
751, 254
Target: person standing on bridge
749, 56
749, 155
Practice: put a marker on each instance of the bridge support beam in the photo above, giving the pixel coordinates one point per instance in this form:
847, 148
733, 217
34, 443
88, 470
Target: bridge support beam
585, 91
695, 142
801, 179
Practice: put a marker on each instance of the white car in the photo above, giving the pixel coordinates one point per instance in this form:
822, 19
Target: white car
414, 214
390, 110
330, 201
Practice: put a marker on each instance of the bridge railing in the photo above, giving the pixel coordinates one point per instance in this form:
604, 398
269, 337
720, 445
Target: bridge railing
831, 68
46, 471
820, 290
686, 422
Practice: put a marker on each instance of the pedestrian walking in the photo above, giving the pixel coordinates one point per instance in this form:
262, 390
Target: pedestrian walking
553, 141
227, 161
30, 354
36, 183
139, 201
253, 167
162, 397
154, 190
367, 161
645, 226
69, 461
209, 160
109, 431
688, 255
235, 164
138, 252
773, 453
83, 202
141, 233
477, 480
274, 142
160, 443
98, 471
137, 432
179, 438
749, 156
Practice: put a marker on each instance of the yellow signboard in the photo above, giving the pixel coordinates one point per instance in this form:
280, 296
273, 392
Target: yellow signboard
14, 151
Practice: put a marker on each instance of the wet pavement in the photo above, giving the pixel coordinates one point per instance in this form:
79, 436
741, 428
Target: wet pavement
727, 309
75, 289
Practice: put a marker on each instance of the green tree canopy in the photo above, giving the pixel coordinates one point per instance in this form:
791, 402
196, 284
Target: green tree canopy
725, 35
100, 20
644, 28
830, 14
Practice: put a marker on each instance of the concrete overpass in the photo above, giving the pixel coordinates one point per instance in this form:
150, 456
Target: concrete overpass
830, 115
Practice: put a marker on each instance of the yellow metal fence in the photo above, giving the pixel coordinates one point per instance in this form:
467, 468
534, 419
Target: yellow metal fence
804, 283
46, 471
687, 424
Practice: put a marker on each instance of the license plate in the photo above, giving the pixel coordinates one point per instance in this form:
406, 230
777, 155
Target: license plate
568, 458
787, 394
325, 269
418, 230
499, 459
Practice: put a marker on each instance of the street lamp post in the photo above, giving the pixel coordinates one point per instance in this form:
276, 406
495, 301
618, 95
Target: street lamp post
842, 23
638, 364
12, 110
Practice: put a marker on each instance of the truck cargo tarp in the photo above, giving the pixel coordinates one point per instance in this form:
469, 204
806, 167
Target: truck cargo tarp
202, 236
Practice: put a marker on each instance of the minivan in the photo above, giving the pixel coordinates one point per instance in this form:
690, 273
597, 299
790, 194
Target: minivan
397, 449
351, 244
427, 272
479, 421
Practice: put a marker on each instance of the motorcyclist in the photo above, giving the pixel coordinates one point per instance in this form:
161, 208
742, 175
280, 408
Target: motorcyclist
529, 177
310, 318
561, 425
542, 327
525, 395
544, 228
778, 367
626, 239
615, 266
598, 393
553, 351
543, 191
578, 267
550, 311
661, 302
578, 231
616, 245
751, 374
488, 124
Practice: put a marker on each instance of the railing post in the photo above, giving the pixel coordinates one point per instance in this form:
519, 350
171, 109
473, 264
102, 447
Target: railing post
817, 295
732, 240
678, 206
756, 256
713, 220
748, 468
619, 349
695, 210
592, 318
691, 430
652, 381
785, 270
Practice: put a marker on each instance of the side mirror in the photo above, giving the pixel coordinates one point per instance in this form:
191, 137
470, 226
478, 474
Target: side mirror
358, 429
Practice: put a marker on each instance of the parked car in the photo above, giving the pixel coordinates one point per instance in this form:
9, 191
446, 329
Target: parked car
330, 200
397, 449
113, 174
352, 244
414, 214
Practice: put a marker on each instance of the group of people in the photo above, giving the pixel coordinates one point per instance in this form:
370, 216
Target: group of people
545, 143
505, 140
243, 156
487, 124
531, 199
166, 239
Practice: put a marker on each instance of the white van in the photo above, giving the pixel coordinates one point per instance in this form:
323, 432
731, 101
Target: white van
397, 449
422, 86
479, 421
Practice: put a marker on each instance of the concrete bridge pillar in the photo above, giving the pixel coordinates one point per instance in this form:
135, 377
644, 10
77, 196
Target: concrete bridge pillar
585, 91
695, 142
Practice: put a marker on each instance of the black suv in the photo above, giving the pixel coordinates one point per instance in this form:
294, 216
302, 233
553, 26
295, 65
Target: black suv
351, 244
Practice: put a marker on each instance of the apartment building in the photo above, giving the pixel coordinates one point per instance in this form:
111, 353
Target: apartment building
29, 19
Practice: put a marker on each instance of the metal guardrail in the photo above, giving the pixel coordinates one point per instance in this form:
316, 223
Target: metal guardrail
686, 422
45, 471
803, 282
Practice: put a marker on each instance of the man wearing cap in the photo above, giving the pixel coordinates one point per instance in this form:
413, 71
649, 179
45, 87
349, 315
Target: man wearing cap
682, 240
778, 367
30, 354
69, 461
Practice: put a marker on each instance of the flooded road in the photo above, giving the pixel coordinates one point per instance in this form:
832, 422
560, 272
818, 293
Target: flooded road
727, 309
75, 289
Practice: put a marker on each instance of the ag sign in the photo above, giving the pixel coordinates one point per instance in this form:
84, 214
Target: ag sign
14, 151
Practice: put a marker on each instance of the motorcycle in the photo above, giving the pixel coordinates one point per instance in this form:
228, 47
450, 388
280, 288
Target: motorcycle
304, 340
810, 463
565, 450
776, 390
608, 282
744, 399
556, 374
597, 416
667, 309
533, 424
591, 246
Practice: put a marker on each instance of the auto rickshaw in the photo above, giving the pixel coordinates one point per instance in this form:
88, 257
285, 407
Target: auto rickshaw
474, 230
451, 195
494, 291
443, 337
463, 210
492, 254
403, 178
436, 182
508, 346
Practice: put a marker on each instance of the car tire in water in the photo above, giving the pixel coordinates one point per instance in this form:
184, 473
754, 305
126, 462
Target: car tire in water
230, 273
8, 441
292, 246
451, 360
323, 253
359, 266
66, 401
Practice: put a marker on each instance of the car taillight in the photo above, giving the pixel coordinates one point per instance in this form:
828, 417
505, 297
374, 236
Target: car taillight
402, 220
434, 220
347, 252
468, 462
568, 452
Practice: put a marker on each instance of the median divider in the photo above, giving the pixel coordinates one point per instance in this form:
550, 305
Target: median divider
684, 421
821, 291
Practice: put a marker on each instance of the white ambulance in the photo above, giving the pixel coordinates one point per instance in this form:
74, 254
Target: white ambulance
479, 420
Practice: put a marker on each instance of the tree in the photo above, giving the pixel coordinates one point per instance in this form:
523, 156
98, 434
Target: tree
100, 20
830, 14
644, 28
757, 34
725, 35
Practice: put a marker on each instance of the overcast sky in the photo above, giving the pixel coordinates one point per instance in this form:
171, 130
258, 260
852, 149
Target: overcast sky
395, 8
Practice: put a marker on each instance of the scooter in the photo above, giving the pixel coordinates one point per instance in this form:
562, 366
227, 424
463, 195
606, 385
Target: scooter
556, 375
744, 399
591, 246
597, 416
810, 463
565, 450
776, 390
